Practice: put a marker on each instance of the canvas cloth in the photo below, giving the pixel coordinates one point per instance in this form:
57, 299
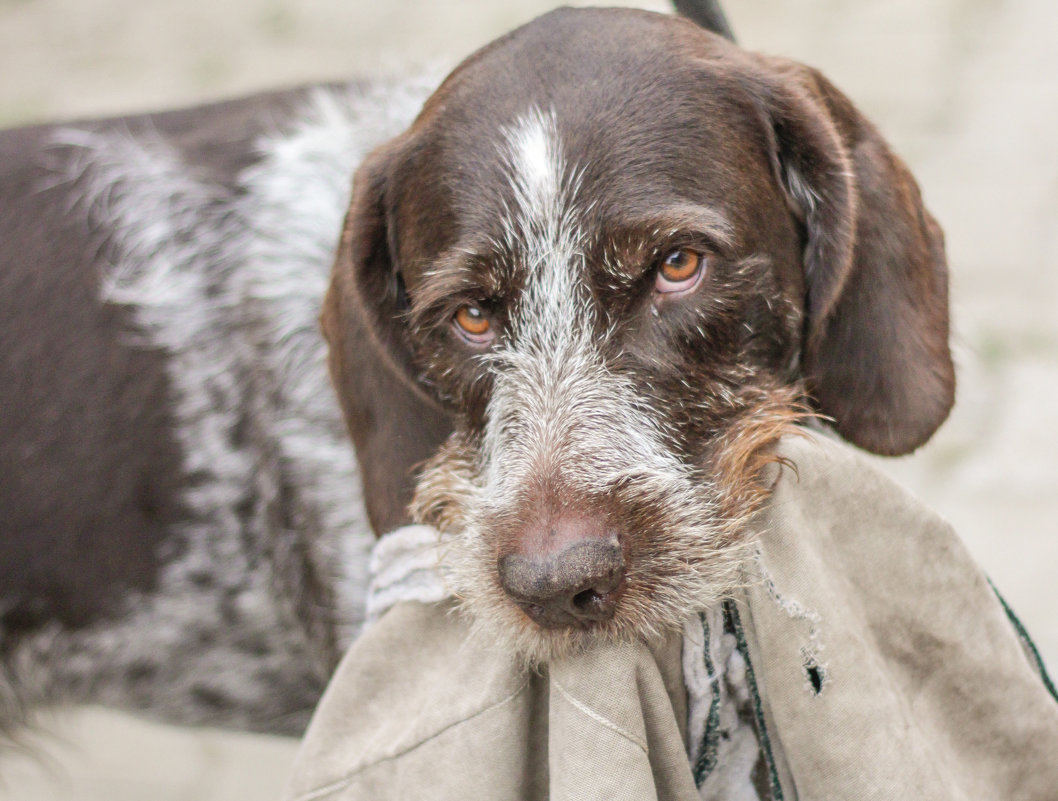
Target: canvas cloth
877, 661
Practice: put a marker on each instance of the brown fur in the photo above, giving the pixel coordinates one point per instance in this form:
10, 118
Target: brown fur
826, 295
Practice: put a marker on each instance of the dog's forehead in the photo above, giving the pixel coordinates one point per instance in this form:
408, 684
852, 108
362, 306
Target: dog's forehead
584, 56
619, 110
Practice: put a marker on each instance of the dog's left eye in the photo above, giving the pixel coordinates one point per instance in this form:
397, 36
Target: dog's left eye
680, 271
473, 324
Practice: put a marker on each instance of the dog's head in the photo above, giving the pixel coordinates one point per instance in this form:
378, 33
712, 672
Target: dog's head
594, 282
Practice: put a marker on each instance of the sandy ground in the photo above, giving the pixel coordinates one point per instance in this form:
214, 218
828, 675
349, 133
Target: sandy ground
966, 90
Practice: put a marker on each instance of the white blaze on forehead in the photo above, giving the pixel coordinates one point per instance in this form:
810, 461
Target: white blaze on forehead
536, 158
542, 230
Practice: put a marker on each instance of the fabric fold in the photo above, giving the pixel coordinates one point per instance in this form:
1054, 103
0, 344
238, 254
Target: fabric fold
867, 658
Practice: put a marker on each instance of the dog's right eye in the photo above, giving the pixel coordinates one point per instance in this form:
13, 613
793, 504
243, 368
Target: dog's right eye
473, 324
679, 272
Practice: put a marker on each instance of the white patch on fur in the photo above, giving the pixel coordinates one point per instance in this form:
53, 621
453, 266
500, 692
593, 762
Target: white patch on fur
229, 285
543, 231
538, 167
302, 190
555, 406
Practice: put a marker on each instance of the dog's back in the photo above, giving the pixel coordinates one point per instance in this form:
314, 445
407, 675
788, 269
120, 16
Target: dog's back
167, 424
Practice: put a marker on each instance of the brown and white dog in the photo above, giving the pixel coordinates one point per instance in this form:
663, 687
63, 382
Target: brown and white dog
611, 261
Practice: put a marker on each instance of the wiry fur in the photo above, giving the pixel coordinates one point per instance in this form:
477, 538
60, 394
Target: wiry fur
266, 575
689, 530
563, 423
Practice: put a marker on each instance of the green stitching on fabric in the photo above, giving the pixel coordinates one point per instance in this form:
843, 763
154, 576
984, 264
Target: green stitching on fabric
731, 613
710, 745
1023, 633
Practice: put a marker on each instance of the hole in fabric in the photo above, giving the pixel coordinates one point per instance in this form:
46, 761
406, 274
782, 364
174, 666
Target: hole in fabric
816, 676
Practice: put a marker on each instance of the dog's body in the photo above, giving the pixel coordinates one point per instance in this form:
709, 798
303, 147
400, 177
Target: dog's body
182, 526
565, 335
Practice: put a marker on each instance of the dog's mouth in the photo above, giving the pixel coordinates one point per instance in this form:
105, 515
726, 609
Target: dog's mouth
585, 610
624, 555
543, 604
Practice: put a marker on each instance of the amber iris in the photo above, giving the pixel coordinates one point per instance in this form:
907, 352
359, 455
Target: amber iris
679, 273
473, 321
681, 265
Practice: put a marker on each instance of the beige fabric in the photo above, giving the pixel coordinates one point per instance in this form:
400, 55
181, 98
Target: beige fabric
416, 710
926, 692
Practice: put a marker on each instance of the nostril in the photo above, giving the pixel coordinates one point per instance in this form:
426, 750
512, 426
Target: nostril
596, 602
586, 600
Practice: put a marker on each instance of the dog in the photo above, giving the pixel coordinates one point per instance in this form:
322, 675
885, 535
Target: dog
579, 292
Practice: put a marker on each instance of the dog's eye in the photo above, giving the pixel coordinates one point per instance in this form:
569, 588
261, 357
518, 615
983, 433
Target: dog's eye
680, 271
473, 324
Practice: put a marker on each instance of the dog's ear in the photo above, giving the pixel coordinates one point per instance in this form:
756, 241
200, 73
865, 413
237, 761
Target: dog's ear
875, 354
394, 423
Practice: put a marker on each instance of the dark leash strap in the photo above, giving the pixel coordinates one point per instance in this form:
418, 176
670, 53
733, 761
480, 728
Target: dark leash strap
706, 13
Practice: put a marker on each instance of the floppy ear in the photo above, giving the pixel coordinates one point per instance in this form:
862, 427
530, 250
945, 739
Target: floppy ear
875, 356
394, 423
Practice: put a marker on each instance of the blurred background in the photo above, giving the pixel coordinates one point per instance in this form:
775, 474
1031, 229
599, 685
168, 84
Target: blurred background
965, 90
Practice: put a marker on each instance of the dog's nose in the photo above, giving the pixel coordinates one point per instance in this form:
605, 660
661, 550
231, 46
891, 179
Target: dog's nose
574, 586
